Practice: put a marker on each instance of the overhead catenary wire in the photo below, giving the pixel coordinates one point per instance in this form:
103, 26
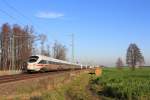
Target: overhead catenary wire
19, 12
6, 13
16, 10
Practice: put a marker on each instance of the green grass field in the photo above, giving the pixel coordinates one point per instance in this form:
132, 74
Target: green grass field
123, 84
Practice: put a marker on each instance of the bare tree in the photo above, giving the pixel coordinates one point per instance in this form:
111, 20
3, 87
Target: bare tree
5, 50
15, 46
134, 56
59, 51
119, 63
43, 39
47, 51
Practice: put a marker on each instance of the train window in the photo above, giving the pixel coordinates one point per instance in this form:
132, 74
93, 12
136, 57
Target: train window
54, 63
50, 62
47, 62
33, 59
58, 63
43, 62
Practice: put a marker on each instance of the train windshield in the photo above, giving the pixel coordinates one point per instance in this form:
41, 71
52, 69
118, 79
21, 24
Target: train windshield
33, 59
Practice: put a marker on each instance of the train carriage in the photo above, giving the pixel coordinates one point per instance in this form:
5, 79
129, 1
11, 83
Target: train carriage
44, 63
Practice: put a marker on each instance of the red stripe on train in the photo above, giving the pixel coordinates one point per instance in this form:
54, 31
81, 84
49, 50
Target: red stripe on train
42, 65
39, 65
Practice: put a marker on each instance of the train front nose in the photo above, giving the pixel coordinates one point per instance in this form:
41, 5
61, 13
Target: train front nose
30, 67
32, 63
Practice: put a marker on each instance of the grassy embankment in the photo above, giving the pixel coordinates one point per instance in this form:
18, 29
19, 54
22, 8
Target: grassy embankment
123, 84
112, 84
75, 89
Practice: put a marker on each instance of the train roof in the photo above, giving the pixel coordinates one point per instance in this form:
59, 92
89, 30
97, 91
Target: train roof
55, 60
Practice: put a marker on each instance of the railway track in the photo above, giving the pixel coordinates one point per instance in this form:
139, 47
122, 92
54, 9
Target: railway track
18, 77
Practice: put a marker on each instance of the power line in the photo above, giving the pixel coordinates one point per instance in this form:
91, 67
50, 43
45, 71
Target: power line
7, 14
18, 12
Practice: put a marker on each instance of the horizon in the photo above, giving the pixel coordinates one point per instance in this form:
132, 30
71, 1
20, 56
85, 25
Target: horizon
103, 29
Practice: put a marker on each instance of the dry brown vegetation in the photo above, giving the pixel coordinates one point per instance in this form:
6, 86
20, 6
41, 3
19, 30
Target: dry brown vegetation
18, 43
15, 46
73, 86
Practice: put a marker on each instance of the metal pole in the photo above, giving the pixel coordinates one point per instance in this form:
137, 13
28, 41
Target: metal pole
72, 47
10, 53
13, 55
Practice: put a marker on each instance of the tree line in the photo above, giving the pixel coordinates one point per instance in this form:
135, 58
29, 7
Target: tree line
17, 44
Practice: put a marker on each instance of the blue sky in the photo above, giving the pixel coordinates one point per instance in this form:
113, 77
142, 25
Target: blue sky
103, 28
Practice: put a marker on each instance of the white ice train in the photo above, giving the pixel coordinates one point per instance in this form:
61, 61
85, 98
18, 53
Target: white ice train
44, 63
